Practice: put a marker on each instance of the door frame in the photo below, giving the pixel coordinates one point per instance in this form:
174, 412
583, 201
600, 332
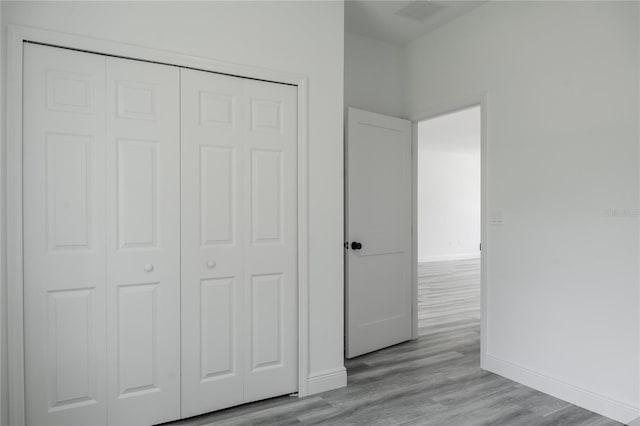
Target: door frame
433, 111
17, 36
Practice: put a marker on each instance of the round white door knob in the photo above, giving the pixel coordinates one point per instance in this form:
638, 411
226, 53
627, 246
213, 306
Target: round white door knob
211, 264
148, 267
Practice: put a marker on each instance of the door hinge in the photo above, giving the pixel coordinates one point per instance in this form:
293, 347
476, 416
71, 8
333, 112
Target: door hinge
480, 247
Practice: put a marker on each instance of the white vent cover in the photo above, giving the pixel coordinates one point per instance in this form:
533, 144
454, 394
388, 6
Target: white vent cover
420, 10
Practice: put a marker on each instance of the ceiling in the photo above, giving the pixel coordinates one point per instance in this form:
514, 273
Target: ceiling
399, 21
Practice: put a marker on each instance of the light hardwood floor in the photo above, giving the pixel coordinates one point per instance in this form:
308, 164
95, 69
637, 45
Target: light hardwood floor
434, 380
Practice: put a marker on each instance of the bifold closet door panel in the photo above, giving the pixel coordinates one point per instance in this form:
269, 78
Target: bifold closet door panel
270, 240
212, 235
239, 241
143, 241
64, 237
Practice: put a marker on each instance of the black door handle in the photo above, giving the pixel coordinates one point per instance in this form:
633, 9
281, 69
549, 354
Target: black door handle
356, 246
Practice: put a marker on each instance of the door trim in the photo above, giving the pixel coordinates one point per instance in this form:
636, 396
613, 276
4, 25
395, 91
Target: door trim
17, 36
434, 111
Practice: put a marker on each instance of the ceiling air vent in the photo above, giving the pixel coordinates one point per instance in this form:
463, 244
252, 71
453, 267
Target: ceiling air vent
419, 10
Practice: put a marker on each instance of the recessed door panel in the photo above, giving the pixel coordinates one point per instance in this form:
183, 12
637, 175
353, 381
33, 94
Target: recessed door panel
217, 109
136, 100
266, 321
217, 193
266, 196
70, 92
69, 174
72, 380
137, 193
266, 115
137, 339
218, 311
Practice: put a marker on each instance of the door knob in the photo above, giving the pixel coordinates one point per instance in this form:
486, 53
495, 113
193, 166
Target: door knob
211, 264
148, 267
356, 246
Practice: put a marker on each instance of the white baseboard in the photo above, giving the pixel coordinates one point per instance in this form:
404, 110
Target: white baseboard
443, 257
600, 404
327, 380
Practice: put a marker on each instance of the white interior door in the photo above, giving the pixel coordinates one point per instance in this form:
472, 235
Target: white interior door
239, 241
64, 237
270, 190
379, 292
105, 301
212, 170
143, 241
101, 239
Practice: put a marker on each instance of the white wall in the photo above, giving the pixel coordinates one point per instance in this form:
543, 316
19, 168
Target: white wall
449, 186
562, 133
373, 72
300, 37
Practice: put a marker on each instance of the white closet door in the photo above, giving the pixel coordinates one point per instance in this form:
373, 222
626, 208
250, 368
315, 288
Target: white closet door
212, 175
270, 240
143, 242
239, 241
102, 240
64, 237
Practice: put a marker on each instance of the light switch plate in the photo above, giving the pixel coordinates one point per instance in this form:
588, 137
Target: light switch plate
496, 218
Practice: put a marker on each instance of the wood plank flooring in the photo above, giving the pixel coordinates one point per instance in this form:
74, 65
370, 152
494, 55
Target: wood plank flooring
434, 380
448, 292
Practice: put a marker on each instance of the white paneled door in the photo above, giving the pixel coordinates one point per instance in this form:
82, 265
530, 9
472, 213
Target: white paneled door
270, 240
212, 293
239, 241
160, 240
65, 261
101, 239
143, 241
378, 259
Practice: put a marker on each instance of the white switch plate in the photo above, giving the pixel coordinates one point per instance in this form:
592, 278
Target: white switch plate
496, 218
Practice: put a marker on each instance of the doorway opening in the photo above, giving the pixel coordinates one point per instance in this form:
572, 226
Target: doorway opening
448, 231
385, 264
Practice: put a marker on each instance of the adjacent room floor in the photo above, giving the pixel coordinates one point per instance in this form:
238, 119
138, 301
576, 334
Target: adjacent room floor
434, 380
449, 294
